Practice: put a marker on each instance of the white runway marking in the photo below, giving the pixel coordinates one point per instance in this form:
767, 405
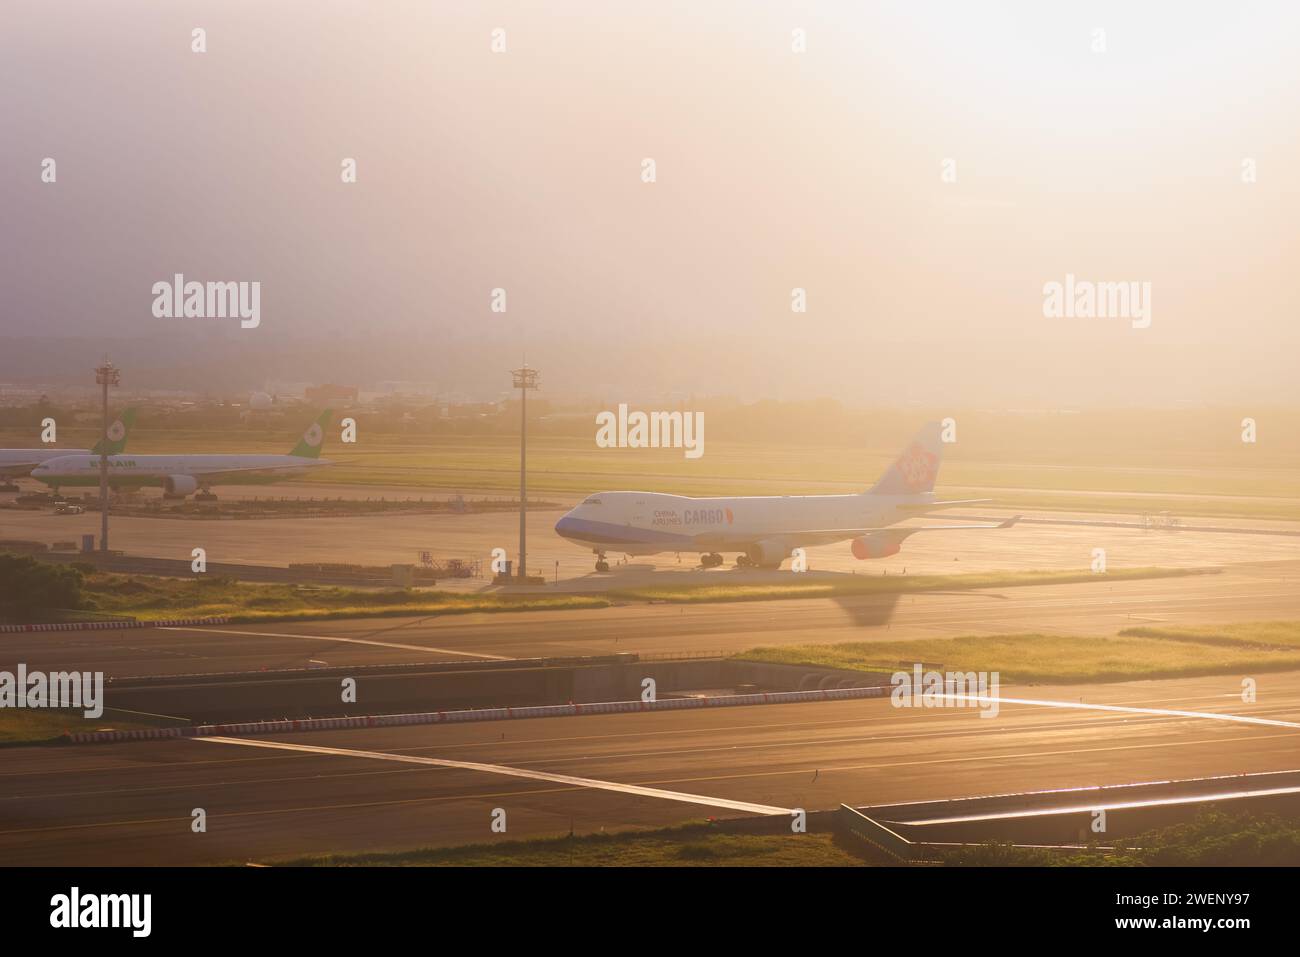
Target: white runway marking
1167, 712
1107, 806
351, 641
515, 773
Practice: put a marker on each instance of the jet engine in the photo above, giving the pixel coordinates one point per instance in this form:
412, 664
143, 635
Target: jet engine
877, 545
178, 486
767, 553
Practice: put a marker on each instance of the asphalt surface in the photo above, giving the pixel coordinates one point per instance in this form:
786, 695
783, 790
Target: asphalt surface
133, 803
383, 540
1242, 592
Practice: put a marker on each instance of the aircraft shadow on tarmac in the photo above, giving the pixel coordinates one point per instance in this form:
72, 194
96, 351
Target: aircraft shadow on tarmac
866, 610
872, 611
869, 611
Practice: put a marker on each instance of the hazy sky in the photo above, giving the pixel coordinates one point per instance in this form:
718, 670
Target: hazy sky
775, 170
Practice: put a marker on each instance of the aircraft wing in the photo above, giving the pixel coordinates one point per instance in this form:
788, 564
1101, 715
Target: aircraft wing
841, 533
237, 473
950, 528
927, 506
17, 469
829, 536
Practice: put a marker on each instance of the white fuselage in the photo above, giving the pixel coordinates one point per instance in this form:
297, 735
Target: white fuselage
15, 463
646, 523
141, 470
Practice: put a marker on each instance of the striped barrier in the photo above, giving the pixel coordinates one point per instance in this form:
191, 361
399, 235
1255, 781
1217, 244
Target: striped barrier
481, 714
876, 834
107, 625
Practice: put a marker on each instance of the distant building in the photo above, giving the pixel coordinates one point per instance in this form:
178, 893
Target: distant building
402, 387
327, 394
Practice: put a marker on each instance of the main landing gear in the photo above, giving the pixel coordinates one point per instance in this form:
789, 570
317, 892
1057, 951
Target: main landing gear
203, 495
711, 560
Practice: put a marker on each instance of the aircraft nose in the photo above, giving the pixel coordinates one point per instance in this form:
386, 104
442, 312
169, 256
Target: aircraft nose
565, 526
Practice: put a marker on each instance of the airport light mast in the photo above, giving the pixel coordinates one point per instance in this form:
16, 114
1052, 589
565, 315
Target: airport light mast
106, 375
524, 379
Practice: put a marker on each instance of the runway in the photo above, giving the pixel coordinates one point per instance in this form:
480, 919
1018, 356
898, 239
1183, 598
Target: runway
381, 540
133, 803
1242, 592
405, 787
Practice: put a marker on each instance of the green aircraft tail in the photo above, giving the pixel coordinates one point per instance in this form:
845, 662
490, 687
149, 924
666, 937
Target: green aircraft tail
309, 445
113, 442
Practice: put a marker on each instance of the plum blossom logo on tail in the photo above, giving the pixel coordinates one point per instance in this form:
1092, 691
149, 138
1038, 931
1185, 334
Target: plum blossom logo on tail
918, 468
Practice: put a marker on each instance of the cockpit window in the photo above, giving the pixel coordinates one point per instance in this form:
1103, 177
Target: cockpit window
592, 501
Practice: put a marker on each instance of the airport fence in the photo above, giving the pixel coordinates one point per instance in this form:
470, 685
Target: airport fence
684, 655
110, 624
476, 715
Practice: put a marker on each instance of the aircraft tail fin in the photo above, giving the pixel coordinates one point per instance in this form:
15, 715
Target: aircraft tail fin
113, 442
917, 466
309, 445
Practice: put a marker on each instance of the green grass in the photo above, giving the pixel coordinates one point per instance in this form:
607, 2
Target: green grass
1187, 462
150, 598
1042, 659
44, 725
1275, 635
1213, 839
561, 466
695, 845
1191, 509
889, 584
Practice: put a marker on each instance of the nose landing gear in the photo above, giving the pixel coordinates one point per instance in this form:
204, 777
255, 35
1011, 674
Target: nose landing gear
601, 564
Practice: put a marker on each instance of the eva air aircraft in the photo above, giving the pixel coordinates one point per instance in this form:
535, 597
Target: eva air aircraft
16, 463
182, 475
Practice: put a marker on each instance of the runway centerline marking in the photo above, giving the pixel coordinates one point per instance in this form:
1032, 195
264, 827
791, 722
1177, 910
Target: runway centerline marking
640, 790
1109, 806
350, 641
1124, 709
827, 769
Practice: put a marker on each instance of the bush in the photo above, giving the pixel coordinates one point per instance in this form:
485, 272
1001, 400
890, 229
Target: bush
1214, 838
28, 585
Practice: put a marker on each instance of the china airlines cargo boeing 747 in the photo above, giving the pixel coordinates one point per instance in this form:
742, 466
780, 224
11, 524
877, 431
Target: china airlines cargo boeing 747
765, 530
